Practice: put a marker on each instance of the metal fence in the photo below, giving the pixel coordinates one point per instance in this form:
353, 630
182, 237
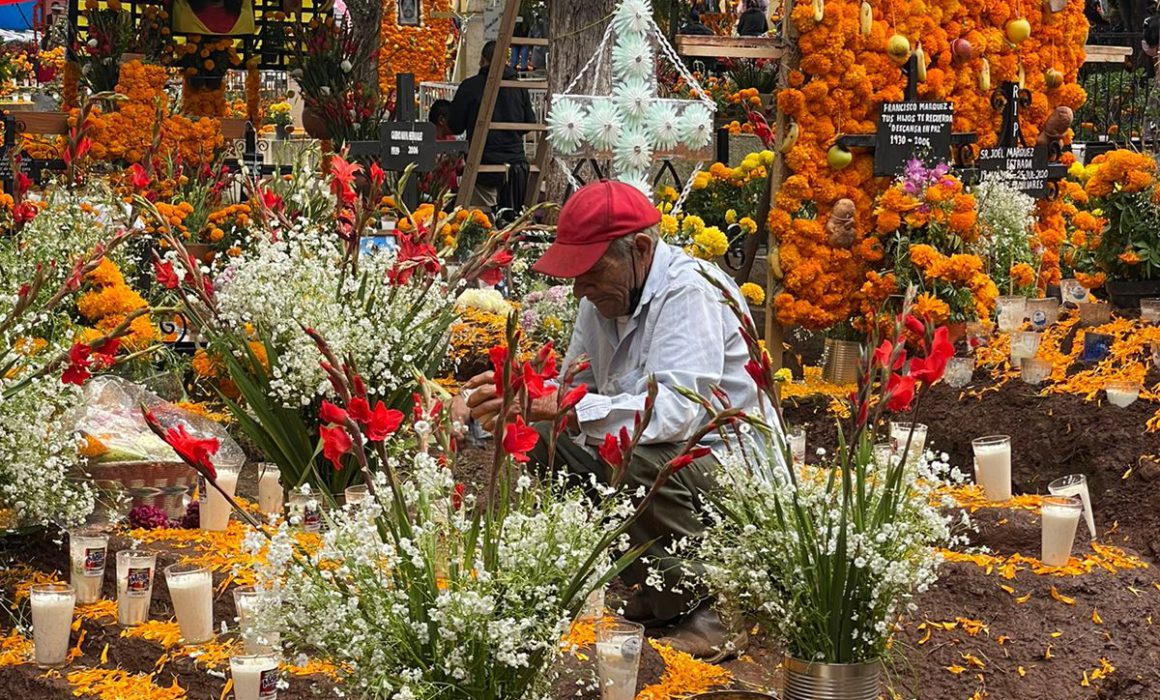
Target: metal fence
1123, 101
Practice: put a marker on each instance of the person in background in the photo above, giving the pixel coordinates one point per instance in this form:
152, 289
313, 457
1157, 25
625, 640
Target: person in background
753, 21
695, 27
521, 53
440, 116
539, 31
501, 147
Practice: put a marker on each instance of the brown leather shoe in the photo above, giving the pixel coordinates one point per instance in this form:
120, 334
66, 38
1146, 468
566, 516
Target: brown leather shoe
638, 608
705, 636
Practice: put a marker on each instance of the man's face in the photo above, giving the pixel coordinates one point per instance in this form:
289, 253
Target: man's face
608, 285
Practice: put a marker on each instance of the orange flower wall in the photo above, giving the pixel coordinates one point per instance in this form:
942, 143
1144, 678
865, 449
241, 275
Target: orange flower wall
845, 76
420, 50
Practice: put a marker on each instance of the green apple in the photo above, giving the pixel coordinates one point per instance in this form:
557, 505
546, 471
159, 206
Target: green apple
838, 157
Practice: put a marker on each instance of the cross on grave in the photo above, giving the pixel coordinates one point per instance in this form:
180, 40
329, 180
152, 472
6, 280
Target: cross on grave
405, 141
912, 129
1034, 170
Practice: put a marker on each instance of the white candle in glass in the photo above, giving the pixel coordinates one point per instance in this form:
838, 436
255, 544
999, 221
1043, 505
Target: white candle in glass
52, 615
993, 466
255, 677
87, 553
270, 496
214, 508
191, 590
134, 586
1060, 516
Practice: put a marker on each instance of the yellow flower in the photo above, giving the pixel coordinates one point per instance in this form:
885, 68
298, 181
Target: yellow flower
731, 216
783, 375
748, 225
710, 243
692, 225
668, 225
753, 293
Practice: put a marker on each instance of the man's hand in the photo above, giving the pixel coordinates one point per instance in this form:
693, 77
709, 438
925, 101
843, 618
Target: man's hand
483, 404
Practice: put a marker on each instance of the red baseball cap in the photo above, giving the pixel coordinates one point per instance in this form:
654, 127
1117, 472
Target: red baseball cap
593, 217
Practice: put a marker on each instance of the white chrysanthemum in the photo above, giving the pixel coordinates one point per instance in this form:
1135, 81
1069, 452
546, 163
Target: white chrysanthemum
638, 180
602, 128
632, 57
633, 17
696, 127
566, 126
633, 152
634, 97
664, 125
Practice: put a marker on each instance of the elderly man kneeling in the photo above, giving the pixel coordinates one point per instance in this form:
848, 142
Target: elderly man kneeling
645, 310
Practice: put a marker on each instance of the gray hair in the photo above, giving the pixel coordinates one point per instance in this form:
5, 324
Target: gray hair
622, 247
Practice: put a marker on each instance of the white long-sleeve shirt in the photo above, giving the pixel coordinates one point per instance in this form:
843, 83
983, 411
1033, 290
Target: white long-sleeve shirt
681, 333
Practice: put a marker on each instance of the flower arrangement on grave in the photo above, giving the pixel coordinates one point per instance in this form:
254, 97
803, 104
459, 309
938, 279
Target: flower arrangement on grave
388, 311
333, 63
278, 115
782, 540
1005, 236
844, 76
203, 63
193, 204
145, 127
440, 593
925, 222
1114, 234
422, 51
110, 34
549, 315
50, 282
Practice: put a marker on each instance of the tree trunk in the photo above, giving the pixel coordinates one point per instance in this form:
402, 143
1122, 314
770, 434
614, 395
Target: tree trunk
575, 30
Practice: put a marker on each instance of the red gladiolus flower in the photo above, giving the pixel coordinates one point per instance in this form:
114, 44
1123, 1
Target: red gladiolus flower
534, 382
336, 442
377, 175
518, 439
332, 414
25, 212
493, 269
383, 422
930, 369
573, 397
106, 353
79, 361
757, 371
166, 275
546, 358
196, 452
138, 177
359, 409
343, 174
688, 458
457, 496
615, 450
900, 392
882, 355
270, 200
916, 327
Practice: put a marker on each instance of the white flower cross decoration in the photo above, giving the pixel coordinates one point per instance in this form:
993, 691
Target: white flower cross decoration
632, 126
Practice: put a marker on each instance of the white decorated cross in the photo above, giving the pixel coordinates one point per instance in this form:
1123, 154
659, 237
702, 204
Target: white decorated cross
632, 126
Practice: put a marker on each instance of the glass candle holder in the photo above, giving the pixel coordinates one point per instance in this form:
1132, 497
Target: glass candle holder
959, 371
254, 606
797, 445
306, 510
214, 510
993, 466
1024, 344
1043, 312
134, 586
1010, 312
1035, 371
356, 495
1059, 516
1076, 485
191, 590
1122, 394
87, 551
1094, 313
270, 494
618, 648
1150, 310
901, 432
52, 616
1072, 292
255, 676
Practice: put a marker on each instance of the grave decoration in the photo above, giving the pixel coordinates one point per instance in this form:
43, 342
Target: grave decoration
631, 126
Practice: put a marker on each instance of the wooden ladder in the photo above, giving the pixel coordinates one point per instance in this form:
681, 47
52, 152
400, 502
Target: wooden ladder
484, 124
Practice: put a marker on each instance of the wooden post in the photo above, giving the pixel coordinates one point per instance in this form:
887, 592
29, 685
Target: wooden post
790, 59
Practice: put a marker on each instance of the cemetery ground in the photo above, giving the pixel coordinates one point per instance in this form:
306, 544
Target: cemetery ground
996, 625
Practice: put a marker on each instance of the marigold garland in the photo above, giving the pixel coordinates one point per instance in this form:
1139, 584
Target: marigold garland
420, 50
844, 77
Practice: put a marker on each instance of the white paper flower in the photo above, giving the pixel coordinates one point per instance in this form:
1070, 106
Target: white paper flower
634, 96
632, 57
566, 126
602, 128
664, 125
696, 127
633, 17
633, 153
638, 180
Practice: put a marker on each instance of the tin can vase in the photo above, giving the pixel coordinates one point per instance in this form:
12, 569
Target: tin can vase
806, 680
842, 358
